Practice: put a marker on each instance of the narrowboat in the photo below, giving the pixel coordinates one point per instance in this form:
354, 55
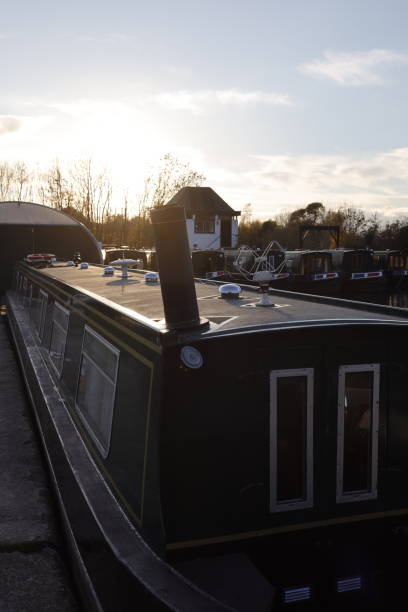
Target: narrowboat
395, 265
208, 263
312, 272
211, 450
358, 271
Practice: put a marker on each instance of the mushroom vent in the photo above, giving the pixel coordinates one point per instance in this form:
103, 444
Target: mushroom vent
151, 277
124, 263
230, 290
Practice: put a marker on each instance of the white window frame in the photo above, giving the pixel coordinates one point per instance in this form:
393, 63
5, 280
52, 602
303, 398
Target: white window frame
57, 305
104, 451
204, 221
342, 497
296, 504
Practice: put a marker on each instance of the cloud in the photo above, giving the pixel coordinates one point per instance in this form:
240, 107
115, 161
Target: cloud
198, 101
375, 182
8, 124
355, 68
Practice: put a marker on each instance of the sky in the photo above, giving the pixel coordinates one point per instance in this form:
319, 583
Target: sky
278, 104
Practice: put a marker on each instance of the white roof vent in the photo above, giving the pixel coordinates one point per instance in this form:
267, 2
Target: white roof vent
151, 277
124, 263
108, 271
230, 290
83, 265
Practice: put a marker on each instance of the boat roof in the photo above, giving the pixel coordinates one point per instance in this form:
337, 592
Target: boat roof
137, 299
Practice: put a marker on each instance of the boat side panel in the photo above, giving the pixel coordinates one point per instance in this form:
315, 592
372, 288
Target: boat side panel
215, 428
115, 566
131, 465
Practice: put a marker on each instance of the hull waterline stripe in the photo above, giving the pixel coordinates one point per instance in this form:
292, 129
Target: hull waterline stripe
246, 535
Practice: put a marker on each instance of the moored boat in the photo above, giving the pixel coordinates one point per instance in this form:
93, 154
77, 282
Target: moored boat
358, 271
395, 266
207, 447
208, 263
312, 272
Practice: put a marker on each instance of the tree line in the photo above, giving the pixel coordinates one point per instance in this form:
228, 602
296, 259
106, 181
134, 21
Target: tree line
357, 228
86, 193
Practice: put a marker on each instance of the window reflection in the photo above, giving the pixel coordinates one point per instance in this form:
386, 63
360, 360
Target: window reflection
358, 406
291, 434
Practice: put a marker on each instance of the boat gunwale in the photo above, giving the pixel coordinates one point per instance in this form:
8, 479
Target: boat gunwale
172, 585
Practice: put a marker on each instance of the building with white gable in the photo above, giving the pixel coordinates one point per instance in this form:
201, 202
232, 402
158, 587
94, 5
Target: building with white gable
211, 222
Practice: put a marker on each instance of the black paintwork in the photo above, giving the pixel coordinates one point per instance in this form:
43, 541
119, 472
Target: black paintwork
187, 469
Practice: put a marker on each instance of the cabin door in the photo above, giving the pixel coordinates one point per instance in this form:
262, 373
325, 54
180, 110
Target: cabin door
225, 232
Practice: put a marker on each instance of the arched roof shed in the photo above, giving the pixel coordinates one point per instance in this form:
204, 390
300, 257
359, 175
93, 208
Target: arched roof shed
26, 227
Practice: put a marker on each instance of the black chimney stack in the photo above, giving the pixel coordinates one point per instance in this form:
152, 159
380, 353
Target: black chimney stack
175, 268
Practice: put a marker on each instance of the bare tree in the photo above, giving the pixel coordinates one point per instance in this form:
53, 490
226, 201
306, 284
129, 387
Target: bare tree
170, 177
22, 182
55, 190
159, 187
92, 193
246, 214
6, 180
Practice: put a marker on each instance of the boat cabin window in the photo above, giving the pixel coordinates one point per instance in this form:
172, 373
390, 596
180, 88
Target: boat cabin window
96, 387
398, 261
59, 330
29, 294
21, 286
27, 288
357, 432
34, 305
291, 439
43, 298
